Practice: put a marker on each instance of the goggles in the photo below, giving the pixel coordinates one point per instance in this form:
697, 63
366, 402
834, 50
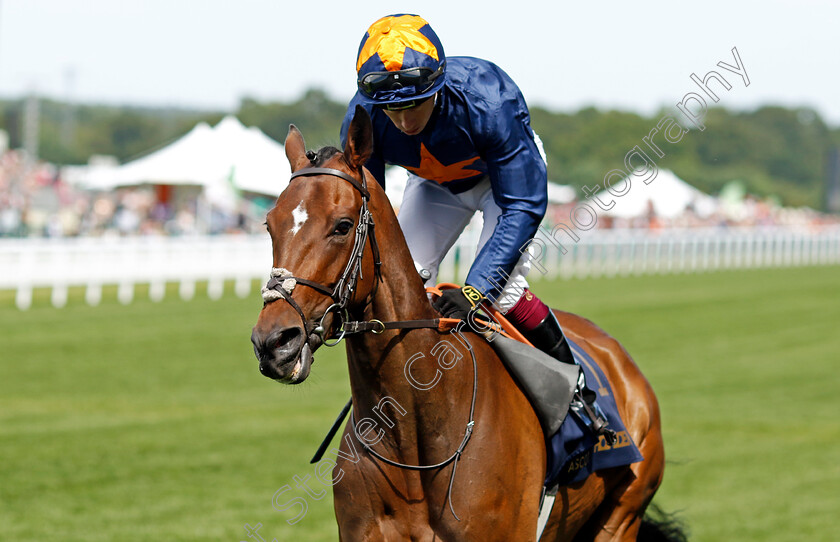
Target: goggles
422, 79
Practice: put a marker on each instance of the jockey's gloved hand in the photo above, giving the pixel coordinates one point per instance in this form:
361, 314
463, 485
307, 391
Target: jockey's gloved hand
457, 302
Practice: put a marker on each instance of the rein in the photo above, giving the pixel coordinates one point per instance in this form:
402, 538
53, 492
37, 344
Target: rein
456, 455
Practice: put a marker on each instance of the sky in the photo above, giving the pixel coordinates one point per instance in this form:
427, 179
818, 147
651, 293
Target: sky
209, 54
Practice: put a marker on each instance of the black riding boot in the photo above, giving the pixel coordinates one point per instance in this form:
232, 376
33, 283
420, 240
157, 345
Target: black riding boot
548, 337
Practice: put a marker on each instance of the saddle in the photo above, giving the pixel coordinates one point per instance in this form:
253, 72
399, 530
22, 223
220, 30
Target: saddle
549, 385
574, 450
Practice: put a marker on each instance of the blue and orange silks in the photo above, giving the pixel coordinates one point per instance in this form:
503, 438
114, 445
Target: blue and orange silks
480, 127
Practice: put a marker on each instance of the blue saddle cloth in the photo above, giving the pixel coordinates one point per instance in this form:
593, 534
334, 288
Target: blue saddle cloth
574, 452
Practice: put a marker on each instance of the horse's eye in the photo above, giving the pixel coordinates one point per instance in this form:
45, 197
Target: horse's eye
343, 227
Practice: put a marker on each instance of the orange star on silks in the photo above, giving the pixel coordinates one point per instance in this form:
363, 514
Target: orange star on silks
390, 36
431, 168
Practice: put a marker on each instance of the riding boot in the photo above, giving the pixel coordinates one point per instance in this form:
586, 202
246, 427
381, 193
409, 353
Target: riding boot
548, 337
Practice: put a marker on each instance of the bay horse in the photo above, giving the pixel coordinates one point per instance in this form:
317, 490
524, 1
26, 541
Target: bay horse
339, 254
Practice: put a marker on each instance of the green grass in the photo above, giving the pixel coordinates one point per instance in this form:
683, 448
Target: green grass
151, 421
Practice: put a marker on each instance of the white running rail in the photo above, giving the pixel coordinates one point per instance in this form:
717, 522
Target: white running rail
91, 263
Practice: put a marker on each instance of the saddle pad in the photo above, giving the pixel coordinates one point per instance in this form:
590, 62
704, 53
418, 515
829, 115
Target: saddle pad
573, 452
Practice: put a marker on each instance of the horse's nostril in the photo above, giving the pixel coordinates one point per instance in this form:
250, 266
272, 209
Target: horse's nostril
284, 338
277, 345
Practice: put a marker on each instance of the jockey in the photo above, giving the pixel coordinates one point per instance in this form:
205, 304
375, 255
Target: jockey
461, 128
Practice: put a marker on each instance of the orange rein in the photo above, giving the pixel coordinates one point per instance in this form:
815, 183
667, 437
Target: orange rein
504, 326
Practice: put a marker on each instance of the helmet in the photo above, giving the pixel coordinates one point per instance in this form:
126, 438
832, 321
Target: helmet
400, 59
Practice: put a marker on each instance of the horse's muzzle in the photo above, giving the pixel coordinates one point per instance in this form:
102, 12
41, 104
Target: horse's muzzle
284, 354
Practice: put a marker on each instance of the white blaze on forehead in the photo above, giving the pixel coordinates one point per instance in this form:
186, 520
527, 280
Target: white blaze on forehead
299, 215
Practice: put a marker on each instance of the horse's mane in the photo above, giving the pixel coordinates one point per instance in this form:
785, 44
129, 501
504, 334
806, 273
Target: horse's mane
318, 158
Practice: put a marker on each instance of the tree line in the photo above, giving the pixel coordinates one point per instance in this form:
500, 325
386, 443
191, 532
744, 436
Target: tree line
775, 151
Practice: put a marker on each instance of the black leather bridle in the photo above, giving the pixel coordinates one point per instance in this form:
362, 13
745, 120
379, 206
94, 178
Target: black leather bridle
343, 290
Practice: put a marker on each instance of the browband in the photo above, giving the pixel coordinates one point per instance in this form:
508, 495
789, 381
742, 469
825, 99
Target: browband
314, 171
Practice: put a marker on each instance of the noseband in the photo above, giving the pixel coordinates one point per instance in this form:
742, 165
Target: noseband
282, 282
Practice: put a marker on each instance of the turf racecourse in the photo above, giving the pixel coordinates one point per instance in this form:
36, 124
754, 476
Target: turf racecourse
150, 422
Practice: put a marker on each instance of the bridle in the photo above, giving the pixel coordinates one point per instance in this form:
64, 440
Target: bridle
282, 281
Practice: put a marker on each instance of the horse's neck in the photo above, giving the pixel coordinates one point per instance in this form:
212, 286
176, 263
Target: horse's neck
381, 386
399, 296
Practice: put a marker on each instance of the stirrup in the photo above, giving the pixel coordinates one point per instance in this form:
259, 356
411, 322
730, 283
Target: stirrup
584, 400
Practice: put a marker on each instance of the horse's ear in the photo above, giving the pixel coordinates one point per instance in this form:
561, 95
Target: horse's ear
296, 149
359, 144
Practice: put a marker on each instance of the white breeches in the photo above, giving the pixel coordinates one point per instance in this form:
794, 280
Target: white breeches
432, 218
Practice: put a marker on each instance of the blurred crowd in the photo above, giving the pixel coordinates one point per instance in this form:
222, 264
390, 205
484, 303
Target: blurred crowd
36, 202
750, 212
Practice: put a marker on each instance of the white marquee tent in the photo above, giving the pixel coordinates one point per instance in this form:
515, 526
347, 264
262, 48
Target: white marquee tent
220, 160
669, 195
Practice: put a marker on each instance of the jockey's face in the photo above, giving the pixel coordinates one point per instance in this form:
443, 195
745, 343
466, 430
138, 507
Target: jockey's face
412, 121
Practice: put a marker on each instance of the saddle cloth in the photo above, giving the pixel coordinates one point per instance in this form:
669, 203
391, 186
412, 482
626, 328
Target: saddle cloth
573, 452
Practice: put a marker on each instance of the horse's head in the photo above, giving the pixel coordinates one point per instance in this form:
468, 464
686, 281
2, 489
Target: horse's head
323, 252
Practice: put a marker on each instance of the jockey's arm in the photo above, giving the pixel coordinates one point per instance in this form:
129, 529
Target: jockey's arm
519, 182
